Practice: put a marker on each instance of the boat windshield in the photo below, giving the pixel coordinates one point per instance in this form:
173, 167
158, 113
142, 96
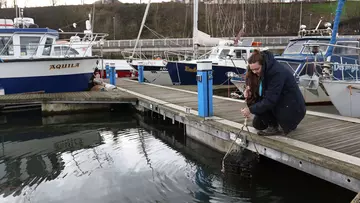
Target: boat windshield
294, 47
6, 46
322, 48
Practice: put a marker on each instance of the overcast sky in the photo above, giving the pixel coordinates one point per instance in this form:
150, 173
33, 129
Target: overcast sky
32, 3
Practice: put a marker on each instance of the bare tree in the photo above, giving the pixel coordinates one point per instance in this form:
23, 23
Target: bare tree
53, 2
3, 3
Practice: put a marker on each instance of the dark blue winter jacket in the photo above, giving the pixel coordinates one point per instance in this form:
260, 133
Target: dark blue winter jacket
280, 94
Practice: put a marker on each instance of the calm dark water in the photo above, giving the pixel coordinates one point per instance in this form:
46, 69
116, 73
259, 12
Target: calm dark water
111, 157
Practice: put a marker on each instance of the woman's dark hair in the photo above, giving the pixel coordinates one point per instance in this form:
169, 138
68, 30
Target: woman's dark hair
252, 80
256, 56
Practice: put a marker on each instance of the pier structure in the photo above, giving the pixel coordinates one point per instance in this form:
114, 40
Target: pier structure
324, 145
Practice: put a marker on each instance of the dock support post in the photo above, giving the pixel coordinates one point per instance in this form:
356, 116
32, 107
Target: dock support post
141, 73
205, 91
112, 74
107, 70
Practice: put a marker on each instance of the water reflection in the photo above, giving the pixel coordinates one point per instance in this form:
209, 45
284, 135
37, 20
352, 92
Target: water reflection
127, 159
264, 181
211, 184
28, 162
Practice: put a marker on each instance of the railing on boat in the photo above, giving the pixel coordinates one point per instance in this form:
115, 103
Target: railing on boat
188, 42
348, 65
90, 39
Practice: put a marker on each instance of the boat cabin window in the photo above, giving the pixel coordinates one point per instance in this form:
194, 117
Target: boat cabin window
47, 47
345, 50
322, 48
240, 54
28, 45
62, 50
214, 53
224, 53
294, 47
6, 46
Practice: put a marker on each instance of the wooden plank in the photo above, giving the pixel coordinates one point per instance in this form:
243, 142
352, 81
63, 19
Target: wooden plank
356, 198
314, 134
192, 104
184, 98
357, 154
335, 138
319, 127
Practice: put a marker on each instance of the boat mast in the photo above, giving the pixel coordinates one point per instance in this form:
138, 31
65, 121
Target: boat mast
195, 29
141, 27
300, 15
243, 15
92, 20
16, 8
335, 27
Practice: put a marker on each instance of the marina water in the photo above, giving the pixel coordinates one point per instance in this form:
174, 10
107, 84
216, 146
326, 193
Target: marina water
118, 157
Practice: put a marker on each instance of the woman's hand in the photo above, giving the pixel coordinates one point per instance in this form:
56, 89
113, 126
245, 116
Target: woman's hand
246, 112
247, 92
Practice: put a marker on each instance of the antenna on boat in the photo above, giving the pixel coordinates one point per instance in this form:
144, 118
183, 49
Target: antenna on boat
318, 23
16, 8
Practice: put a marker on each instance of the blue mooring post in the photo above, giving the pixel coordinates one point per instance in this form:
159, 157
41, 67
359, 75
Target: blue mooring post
205, 91
112, 74
107, 70
141, 73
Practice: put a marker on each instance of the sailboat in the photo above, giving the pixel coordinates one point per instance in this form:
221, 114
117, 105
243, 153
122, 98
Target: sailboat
228, 57
154, 69
337, 71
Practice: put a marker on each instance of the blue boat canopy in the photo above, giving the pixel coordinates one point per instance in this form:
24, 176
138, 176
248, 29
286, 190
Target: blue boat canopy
29, 31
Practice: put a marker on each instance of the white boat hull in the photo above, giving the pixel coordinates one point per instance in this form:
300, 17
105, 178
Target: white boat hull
345, 96
158, 77
310, 98
47, 75
314, 97
155, 71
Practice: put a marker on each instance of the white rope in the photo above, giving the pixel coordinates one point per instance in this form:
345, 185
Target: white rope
245, 125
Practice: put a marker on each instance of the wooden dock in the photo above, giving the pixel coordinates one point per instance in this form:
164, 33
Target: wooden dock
324, 145
69, 97
60, 103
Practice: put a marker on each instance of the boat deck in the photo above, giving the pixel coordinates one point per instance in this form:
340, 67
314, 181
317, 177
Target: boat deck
330, 141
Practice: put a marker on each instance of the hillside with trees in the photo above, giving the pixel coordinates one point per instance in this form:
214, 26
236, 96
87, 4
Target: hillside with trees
174, 20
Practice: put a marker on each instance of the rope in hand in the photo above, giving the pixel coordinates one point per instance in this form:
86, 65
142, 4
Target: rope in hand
245, 126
